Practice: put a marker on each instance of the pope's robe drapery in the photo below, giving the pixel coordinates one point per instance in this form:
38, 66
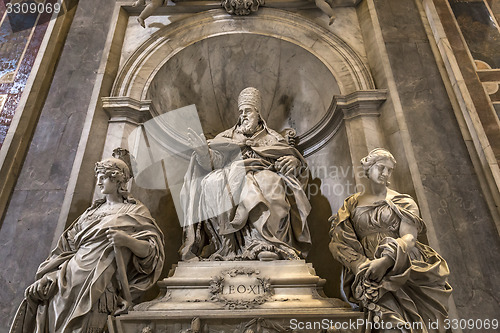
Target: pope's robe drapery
240, 205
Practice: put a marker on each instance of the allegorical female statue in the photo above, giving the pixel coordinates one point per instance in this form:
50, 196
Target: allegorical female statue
386, 270
243, 195
102, 263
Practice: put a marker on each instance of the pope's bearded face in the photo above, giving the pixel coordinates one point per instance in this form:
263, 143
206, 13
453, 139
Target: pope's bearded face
249, 119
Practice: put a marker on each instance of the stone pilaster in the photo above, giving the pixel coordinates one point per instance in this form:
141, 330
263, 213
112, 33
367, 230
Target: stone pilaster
361, 112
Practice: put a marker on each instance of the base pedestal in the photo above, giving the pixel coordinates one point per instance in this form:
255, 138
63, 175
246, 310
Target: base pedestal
240, 296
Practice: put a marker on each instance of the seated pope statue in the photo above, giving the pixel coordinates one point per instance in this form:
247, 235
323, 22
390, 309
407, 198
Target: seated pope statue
243, 195
101, 265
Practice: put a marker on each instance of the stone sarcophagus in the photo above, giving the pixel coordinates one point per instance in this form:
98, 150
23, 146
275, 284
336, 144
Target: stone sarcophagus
241, 296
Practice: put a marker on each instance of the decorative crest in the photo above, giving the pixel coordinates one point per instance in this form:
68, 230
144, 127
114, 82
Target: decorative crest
124, 155
241, 7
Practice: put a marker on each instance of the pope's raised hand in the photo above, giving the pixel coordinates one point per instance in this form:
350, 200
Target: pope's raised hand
198, 143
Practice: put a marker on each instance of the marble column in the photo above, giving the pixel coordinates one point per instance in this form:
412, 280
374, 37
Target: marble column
125, 115
361, 111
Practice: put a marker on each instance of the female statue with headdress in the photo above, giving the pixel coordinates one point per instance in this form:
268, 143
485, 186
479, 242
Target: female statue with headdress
387, 271
102, 263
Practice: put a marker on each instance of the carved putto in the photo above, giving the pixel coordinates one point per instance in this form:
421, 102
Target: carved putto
148, 10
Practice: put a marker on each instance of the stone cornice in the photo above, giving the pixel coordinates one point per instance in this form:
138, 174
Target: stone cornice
361, 103
345, 64
194, 6
358, 103
122, 108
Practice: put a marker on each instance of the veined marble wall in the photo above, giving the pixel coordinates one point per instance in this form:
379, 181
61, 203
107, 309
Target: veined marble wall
422, 124
29, 224
20, 37
110, 68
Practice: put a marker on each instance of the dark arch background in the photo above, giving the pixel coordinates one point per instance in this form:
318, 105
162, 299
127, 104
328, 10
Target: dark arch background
297, 88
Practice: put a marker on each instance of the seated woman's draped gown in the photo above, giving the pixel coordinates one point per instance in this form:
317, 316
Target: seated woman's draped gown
415, 289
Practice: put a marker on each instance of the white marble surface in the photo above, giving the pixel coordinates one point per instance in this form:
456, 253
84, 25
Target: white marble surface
137, 72
296, 87
346, 26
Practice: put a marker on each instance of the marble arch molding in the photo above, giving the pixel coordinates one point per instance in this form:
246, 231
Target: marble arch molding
206, 59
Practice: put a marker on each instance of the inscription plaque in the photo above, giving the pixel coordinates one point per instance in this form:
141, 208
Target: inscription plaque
240, 288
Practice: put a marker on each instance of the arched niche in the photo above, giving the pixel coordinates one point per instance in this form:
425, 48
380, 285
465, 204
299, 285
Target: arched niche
344, 64
309, 78
207, 58
296, 87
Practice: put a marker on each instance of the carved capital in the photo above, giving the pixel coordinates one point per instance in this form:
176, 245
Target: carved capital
241, 7
343, 107
126, 109
361, 103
